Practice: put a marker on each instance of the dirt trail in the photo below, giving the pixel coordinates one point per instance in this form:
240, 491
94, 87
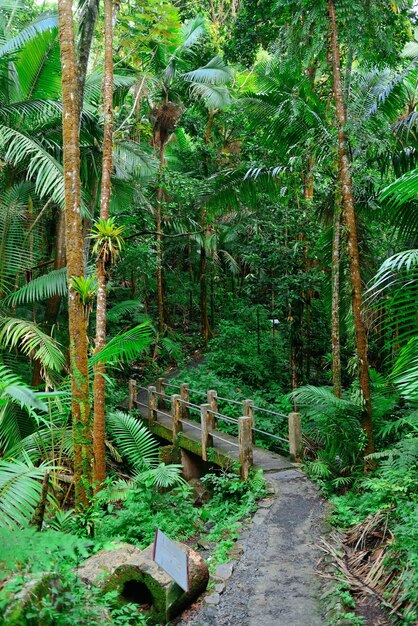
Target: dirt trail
274, 583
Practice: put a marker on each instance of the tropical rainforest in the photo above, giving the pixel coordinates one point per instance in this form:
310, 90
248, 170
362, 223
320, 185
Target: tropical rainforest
225, 190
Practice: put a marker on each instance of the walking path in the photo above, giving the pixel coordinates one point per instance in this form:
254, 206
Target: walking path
274, 583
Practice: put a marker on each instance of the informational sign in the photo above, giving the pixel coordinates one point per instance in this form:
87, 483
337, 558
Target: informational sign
172, 559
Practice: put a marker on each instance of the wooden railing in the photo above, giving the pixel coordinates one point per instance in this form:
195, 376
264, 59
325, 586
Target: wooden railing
181, 408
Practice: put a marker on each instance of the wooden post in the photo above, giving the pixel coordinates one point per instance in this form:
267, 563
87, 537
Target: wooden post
206, 423
132, 394
295, 436
176, 415
160, 389
184, 393
248, 407
245, 445
213, 402
152, 404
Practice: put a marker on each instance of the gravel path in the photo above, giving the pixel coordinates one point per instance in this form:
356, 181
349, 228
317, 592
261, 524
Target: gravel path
274, 582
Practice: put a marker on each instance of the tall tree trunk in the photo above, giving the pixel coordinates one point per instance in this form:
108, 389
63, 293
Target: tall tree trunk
84, 46
99, 384
204, 321
205, 329
350, 222
335, 307
159, 244
308, 195
190, 268
80, 405
212, 289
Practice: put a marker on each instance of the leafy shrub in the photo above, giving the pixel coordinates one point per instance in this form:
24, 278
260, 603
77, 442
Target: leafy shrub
144, 511
29, 550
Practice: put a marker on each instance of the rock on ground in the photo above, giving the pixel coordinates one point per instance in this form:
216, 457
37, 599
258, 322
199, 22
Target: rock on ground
275, 583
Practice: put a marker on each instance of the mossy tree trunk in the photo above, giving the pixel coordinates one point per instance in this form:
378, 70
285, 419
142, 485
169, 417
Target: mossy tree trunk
81, 417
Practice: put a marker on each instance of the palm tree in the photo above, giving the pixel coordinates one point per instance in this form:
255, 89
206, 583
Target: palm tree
174, 76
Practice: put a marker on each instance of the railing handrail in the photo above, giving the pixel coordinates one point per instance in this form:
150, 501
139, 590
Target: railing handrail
209, 415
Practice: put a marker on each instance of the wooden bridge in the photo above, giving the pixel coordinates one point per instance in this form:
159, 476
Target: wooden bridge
195, 427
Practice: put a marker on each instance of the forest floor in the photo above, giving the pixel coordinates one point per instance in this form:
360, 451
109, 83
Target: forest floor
274, 583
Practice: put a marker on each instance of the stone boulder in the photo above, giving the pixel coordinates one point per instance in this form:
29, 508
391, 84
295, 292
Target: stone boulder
137, 578
200, 494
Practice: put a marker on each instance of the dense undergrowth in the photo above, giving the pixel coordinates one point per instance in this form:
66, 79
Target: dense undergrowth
65, 600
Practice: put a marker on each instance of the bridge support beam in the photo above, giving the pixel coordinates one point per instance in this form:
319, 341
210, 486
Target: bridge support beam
184, 393
245, 441
160, 390
152, 404
295, 436
248, 408
132, 394
176, 415
206, 425
213, 402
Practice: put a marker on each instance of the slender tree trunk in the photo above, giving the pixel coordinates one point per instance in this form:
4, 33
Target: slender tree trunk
84, 46
190, 268
350, 222
99, 384
159, 243
81, 418
212, 289
308, 195
204, 321
205, 329
335, 308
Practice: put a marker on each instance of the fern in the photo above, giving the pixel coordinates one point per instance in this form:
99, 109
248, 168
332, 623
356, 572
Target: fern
31, 341
20, 489
134, 442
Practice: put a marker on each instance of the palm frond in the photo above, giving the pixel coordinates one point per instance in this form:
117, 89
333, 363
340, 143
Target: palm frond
132, 160
20, 490
41, 288
42, 24
126, 346
216, 72
133, 440
42, 167
30, 340
191, 31
121, 309
213, 96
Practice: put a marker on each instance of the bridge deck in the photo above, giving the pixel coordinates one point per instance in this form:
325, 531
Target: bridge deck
225, 446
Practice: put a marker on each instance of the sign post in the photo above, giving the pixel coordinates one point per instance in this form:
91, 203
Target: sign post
172, 559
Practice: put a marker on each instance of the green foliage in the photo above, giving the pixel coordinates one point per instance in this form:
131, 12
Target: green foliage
20, 490
108, 240
144, 511
126, 346
28, 338
29, 550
